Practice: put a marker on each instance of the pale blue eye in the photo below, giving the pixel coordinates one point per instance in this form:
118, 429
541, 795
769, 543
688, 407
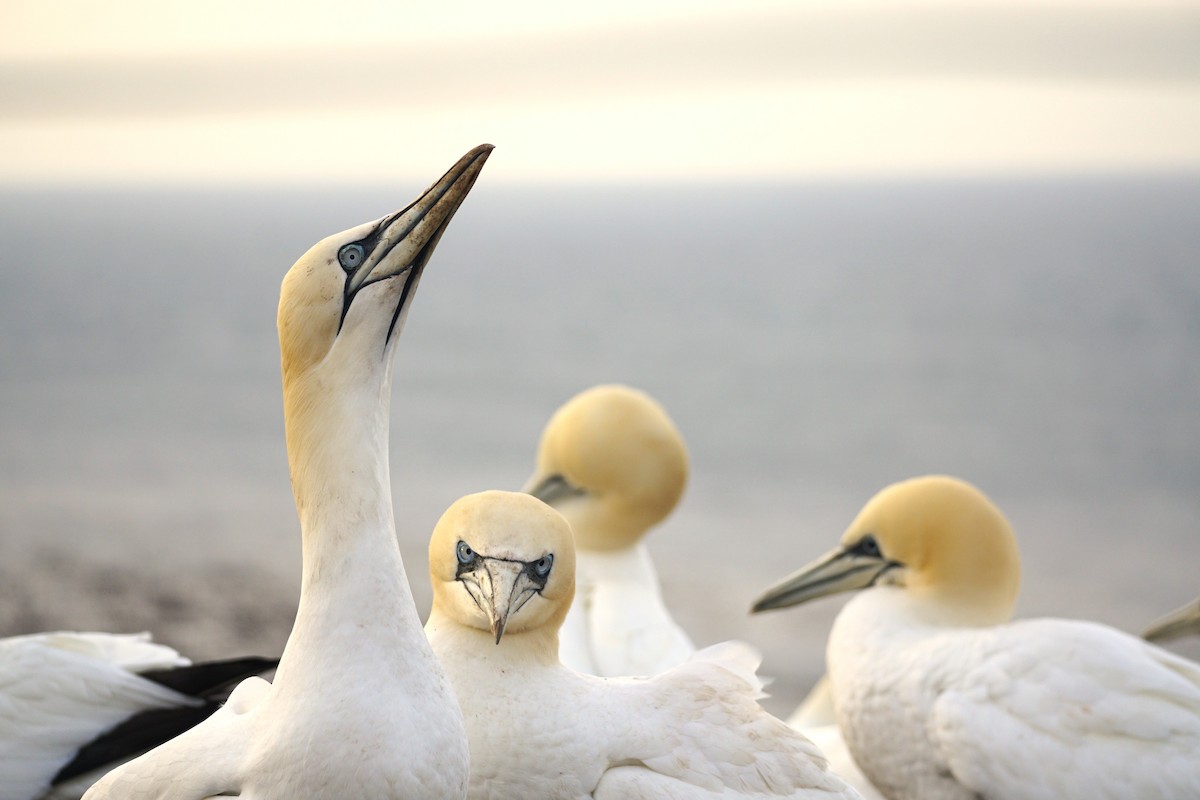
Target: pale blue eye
542, 565
465, 554
351, 257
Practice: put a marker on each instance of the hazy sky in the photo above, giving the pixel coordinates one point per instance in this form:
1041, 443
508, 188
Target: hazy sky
147, 90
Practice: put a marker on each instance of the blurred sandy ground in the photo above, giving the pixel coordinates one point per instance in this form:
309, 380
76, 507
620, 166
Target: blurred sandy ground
205, 614
221, 610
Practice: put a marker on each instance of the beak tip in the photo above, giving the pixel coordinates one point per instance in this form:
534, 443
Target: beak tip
761, 604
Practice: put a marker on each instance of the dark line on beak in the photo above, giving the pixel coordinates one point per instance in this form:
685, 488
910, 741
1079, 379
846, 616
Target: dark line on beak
778, 602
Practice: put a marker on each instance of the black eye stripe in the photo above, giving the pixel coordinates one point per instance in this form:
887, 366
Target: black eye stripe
467, 558
536, 576
371, 240
867, 546
366, 245
537, 571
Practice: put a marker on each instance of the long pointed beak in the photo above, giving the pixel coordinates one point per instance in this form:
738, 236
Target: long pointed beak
839, 570
407, 238
500, 588
1180, 622
551, 489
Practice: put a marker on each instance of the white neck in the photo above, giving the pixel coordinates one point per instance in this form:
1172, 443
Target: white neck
354, 594
627, 565
874, 626
455, 642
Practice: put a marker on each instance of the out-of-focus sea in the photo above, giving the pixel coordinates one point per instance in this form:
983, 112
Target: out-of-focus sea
813, 341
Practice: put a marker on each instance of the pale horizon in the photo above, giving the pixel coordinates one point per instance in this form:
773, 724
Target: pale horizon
140, 92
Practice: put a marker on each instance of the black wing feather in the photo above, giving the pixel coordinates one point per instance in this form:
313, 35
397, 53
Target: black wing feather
208, 682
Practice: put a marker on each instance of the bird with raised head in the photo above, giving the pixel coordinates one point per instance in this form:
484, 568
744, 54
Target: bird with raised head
359, 706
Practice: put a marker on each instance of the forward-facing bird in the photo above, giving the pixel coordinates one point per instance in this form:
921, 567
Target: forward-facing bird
74, 705
940, 697
612, 462
502, 566
359, 706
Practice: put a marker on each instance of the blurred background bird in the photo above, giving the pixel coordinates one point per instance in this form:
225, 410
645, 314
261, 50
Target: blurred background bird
939, 694
612, 462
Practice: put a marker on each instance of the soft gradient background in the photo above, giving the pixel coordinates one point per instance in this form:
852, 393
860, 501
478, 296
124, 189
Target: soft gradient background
139, 90
843, 242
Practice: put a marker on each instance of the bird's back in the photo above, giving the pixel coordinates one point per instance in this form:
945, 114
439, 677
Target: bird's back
1076, 708
710, 735
1031, 709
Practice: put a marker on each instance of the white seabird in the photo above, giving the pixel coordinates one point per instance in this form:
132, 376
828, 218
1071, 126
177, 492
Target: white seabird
359, 707
612, 462
73, 705
940, 697
502, 566
1183, 621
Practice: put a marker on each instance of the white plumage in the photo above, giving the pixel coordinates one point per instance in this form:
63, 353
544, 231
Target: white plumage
939, 697
612, 462
59, 691
359, 707
817, 720
502, 567
75, 705
619, 624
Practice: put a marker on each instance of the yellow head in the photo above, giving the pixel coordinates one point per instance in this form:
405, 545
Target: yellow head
341, 309
938, 537
345, 300
503, 562
613, 463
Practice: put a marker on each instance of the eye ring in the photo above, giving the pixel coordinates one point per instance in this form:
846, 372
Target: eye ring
352, 256
867, 546
465, 554
542, 566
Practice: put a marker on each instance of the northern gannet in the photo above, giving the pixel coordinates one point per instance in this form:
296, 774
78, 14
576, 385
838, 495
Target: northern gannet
939, 696
1183, 621
359, 706
73, 705
612, 462
502, 566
